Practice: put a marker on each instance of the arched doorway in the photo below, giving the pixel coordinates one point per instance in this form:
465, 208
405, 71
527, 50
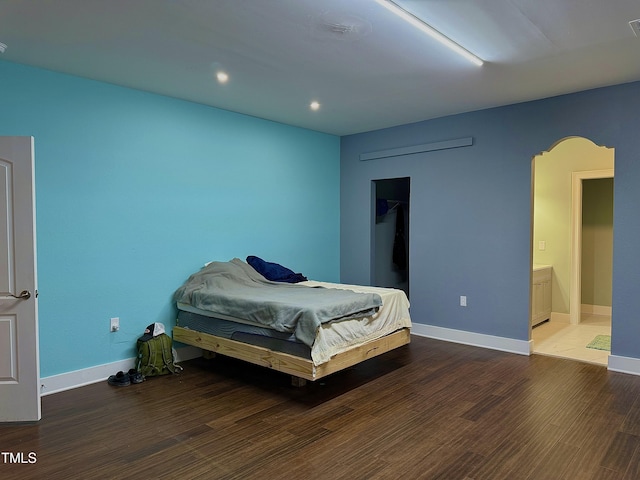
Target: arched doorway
558, 221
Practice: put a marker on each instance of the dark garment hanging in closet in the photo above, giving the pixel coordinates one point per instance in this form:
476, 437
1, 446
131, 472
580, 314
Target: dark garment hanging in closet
399, 246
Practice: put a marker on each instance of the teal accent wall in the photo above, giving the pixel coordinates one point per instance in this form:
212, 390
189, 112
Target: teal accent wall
135, 191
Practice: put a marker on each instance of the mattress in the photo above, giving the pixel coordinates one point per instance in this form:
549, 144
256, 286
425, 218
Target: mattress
259, 335
331, 338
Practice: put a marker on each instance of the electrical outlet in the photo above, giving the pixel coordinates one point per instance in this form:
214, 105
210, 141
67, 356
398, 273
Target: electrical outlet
115, 324
463, 300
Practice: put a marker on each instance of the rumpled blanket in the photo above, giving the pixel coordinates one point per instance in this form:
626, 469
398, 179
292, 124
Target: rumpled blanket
234, 289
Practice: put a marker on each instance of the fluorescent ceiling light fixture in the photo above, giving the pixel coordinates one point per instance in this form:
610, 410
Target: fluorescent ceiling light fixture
222, 77
314, 105
429, 30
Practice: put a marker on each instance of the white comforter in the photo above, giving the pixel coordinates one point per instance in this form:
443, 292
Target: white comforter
338, 336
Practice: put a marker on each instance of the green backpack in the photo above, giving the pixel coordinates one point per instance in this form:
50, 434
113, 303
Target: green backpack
155, 356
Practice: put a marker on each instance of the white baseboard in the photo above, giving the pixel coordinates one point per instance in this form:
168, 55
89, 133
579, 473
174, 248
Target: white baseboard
521, 347
586, 309
99, 373
624, 364
560, 317
595, 309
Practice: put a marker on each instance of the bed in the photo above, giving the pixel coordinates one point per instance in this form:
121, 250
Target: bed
307, 329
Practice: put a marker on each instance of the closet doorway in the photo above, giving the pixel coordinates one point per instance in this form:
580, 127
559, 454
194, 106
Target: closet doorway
390, 235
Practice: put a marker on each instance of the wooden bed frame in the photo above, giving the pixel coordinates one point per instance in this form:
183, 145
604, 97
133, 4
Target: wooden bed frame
299, 368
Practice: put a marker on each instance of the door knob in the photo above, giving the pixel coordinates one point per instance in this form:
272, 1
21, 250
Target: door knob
24, 295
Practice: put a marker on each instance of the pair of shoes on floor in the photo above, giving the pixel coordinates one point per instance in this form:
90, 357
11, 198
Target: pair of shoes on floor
122, 379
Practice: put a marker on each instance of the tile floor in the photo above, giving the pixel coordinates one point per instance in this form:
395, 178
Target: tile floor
569, 341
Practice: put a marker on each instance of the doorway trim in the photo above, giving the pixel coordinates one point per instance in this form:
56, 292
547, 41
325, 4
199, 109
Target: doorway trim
575, 294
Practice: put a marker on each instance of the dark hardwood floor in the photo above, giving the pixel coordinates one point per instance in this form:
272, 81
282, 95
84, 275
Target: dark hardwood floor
430, 410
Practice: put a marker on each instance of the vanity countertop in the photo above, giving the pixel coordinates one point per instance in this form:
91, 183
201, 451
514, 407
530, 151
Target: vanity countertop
537, 266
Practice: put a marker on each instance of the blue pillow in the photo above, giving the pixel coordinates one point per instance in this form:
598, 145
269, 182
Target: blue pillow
273, 271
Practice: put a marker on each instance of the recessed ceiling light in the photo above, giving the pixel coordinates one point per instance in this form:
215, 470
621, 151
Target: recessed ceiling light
3, 47
222, 77
314, 105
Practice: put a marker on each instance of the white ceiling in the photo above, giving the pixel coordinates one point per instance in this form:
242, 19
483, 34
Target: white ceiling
366, 67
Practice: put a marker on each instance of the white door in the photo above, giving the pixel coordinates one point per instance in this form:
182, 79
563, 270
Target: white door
19, 362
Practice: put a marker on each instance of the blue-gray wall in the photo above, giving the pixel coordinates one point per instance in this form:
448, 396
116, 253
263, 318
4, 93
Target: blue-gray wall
470, 208
135, 191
